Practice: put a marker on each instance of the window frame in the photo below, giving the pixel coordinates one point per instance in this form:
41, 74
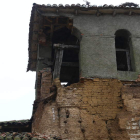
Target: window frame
127, 49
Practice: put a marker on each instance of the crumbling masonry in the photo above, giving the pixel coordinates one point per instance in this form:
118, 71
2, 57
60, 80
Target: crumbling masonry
91, 109
87, 67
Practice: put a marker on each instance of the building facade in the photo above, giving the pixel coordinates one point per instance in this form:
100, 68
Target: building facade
94, 51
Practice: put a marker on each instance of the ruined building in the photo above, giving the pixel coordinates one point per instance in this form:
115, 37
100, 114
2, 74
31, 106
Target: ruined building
87, 67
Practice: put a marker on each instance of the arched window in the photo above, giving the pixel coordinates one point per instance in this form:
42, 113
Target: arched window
66, 53
122, 45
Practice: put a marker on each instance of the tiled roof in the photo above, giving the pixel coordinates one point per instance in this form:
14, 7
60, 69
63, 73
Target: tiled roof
25, 136
15, 122
18, 126
74, 9
22, 135
124, 5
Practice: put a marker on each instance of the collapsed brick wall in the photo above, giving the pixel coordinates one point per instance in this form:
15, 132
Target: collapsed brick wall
91, 109
98, 96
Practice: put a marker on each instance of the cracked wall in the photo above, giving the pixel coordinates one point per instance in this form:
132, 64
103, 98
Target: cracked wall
102, 109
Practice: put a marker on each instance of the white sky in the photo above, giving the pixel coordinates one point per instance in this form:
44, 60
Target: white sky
16, 85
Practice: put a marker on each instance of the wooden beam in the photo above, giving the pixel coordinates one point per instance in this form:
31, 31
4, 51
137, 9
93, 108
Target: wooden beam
58, 62
56, 28
66, 46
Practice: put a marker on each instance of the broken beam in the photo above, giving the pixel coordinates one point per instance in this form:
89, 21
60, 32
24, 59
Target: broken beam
58, 62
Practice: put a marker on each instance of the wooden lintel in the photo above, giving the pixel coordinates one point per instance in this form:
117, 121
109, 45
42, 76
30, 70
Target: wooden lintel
56, 28
58, 63
66, 46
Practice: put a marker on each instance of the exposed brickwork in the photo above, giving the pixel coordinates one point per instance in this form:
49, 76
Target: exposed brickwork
97, 96
101, 109
131, 97
44, 82
45, 120
81, 111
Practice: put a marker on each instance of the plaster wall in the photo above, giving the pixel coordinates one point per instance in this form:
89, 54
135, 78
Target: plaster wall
97, 47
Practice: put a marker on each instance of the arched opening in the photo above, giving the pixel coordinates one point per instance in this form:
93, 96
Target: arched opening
123, 45
66, 48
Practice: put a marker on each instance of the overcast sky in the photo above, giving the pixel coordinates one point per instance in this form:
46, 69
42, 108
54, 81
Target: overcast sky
16, 85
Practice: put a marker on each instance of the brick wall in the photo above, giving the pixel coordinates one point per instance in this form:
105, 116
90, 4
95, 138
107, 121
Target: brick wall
44, 82
101, 109
131, 97
97, 96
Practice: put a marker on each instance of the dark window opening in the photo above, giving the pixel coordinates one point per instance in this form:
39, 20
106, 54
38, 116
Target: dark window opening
121, 42
122, 45
69, 72
121, 61
70, 66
